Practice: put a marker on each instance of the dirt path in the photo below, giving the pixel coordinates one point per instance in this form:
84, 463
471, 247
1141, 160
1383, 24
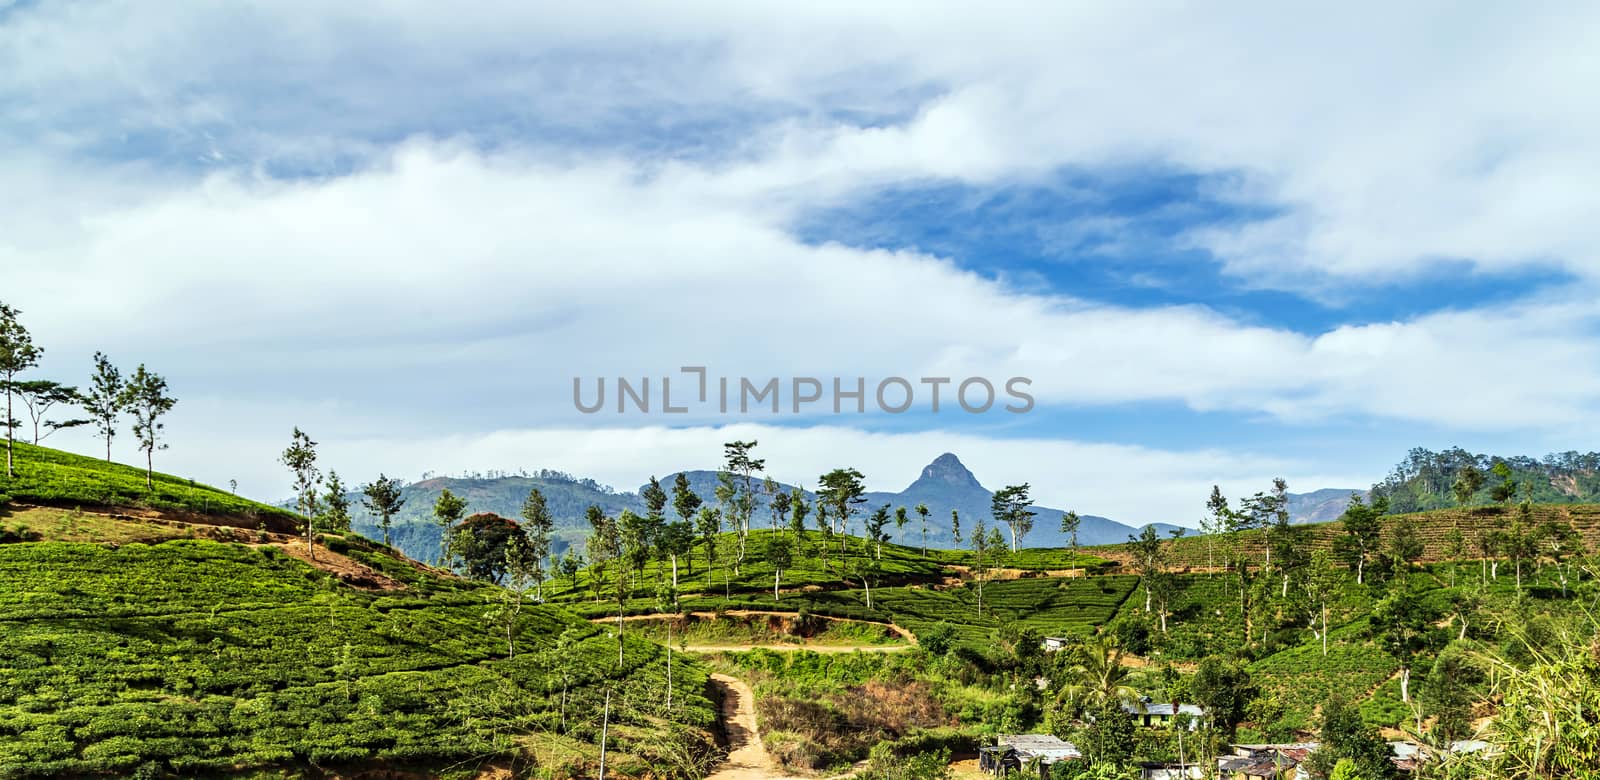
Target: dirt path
899, 630
736, 648
747, 757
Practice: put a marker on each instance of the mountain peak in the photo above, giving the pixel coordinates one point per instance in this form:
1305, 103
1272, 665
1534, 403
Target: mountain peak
945, 472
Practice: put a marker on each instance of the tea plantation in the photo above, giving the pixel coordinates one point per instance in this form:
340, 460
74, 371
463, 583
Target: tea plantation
202, 658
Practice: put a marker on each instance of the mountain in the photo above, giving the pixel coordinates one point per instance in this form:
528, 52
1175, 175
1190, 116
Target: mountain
947, 484
1321, 506
944, 485
568, 497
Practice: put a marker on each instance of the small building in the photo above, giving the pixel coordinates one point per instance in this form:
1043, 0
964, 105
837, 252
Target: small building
1017, 751
1277, 761
1153, 715
1053, 643
1170, 770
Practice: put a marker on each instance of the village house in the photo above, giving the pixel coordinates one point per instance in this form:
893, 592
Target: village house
1016, 752
1266, 761
1151, 714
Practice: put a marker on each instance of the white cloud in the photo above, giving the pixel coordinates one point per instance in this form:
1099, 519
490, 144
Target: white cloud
436, 287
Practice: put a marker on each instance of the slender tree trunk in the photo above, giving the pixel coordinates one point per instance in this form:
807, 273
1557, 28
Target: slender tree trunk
605, 726
669, 665
9, 473
1324, 629
1361, 565
149, 468
777, 577
1405, 684
108, 449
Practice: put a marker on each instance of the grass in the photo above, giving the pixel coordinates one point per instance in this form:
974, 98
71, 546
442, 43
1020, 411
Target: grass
58, 478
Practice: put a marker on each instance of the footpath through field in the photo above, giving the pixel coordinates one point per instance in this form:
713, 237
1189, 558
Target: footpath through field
747, 756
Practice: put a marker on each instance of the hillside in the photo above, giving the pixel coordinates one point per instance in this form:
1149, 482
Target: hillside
136, 644
1425, 479
1432, 529
52, 477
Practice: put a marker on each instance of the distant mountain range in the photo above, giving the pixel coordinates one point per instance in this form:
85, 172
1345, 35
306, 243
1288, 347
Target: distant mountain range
944, 485
1321, 506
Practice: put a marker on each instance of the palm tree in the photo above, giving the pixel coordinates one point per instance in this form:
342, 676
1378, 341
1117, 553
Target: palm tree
1095, 676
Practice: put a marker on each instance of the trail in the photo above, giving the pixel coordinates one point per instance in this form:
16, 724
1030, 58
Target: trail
747, 757
899, 630
737, 648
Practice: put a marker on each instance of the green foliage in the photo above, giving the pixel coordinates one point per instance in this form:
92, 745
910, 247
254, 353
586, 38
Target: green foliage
1345, 737
50, 476
209, 658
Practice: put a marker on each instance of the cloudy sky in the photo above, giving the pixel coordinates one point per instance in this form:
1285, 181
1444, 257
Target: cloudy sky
1224, 243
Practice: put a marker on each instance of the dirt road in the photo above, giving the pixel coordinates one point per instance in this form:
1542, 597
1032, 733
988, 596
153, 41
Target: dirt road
747, 757
735, 648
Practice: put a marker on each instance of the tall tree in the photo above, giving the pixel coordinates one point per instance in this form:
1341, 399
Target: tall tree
876, 523
709, 524
955, 525
1506, 490
103, 401
684, 500
841, 491
739, 463
1147, 557
981, 551
39, 397
1217, 521
1404, 545
301, 459
17, 354
780, 553
1070, 523
1469, 480
336, 517
606, 544
901, 517
777, 501
1322, 586
1362, 529
686, 503
1009, 505
382, 498
448, 510
1223, 688
655, 515
538, 524
922, 517
145, 397
799, 508
677, 539
1404, 622
520, 574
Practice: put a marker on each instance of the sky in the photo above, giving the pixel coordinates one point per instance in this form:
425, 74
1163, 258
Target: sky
1224, 242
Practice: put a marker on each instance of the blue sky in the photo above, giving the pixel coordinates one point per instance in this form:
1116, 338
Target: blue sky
1223, 249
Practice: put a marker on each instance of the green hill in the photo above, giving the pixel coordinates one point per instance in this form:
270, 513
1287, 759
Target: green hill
1425, 479
55, 478
230, 654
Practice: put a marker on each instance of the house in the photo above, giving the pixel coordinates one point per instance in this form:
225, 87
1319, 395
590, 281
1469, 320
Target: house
1266, 761
1171, 770
1153, 715
1053, 643
1017, 751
